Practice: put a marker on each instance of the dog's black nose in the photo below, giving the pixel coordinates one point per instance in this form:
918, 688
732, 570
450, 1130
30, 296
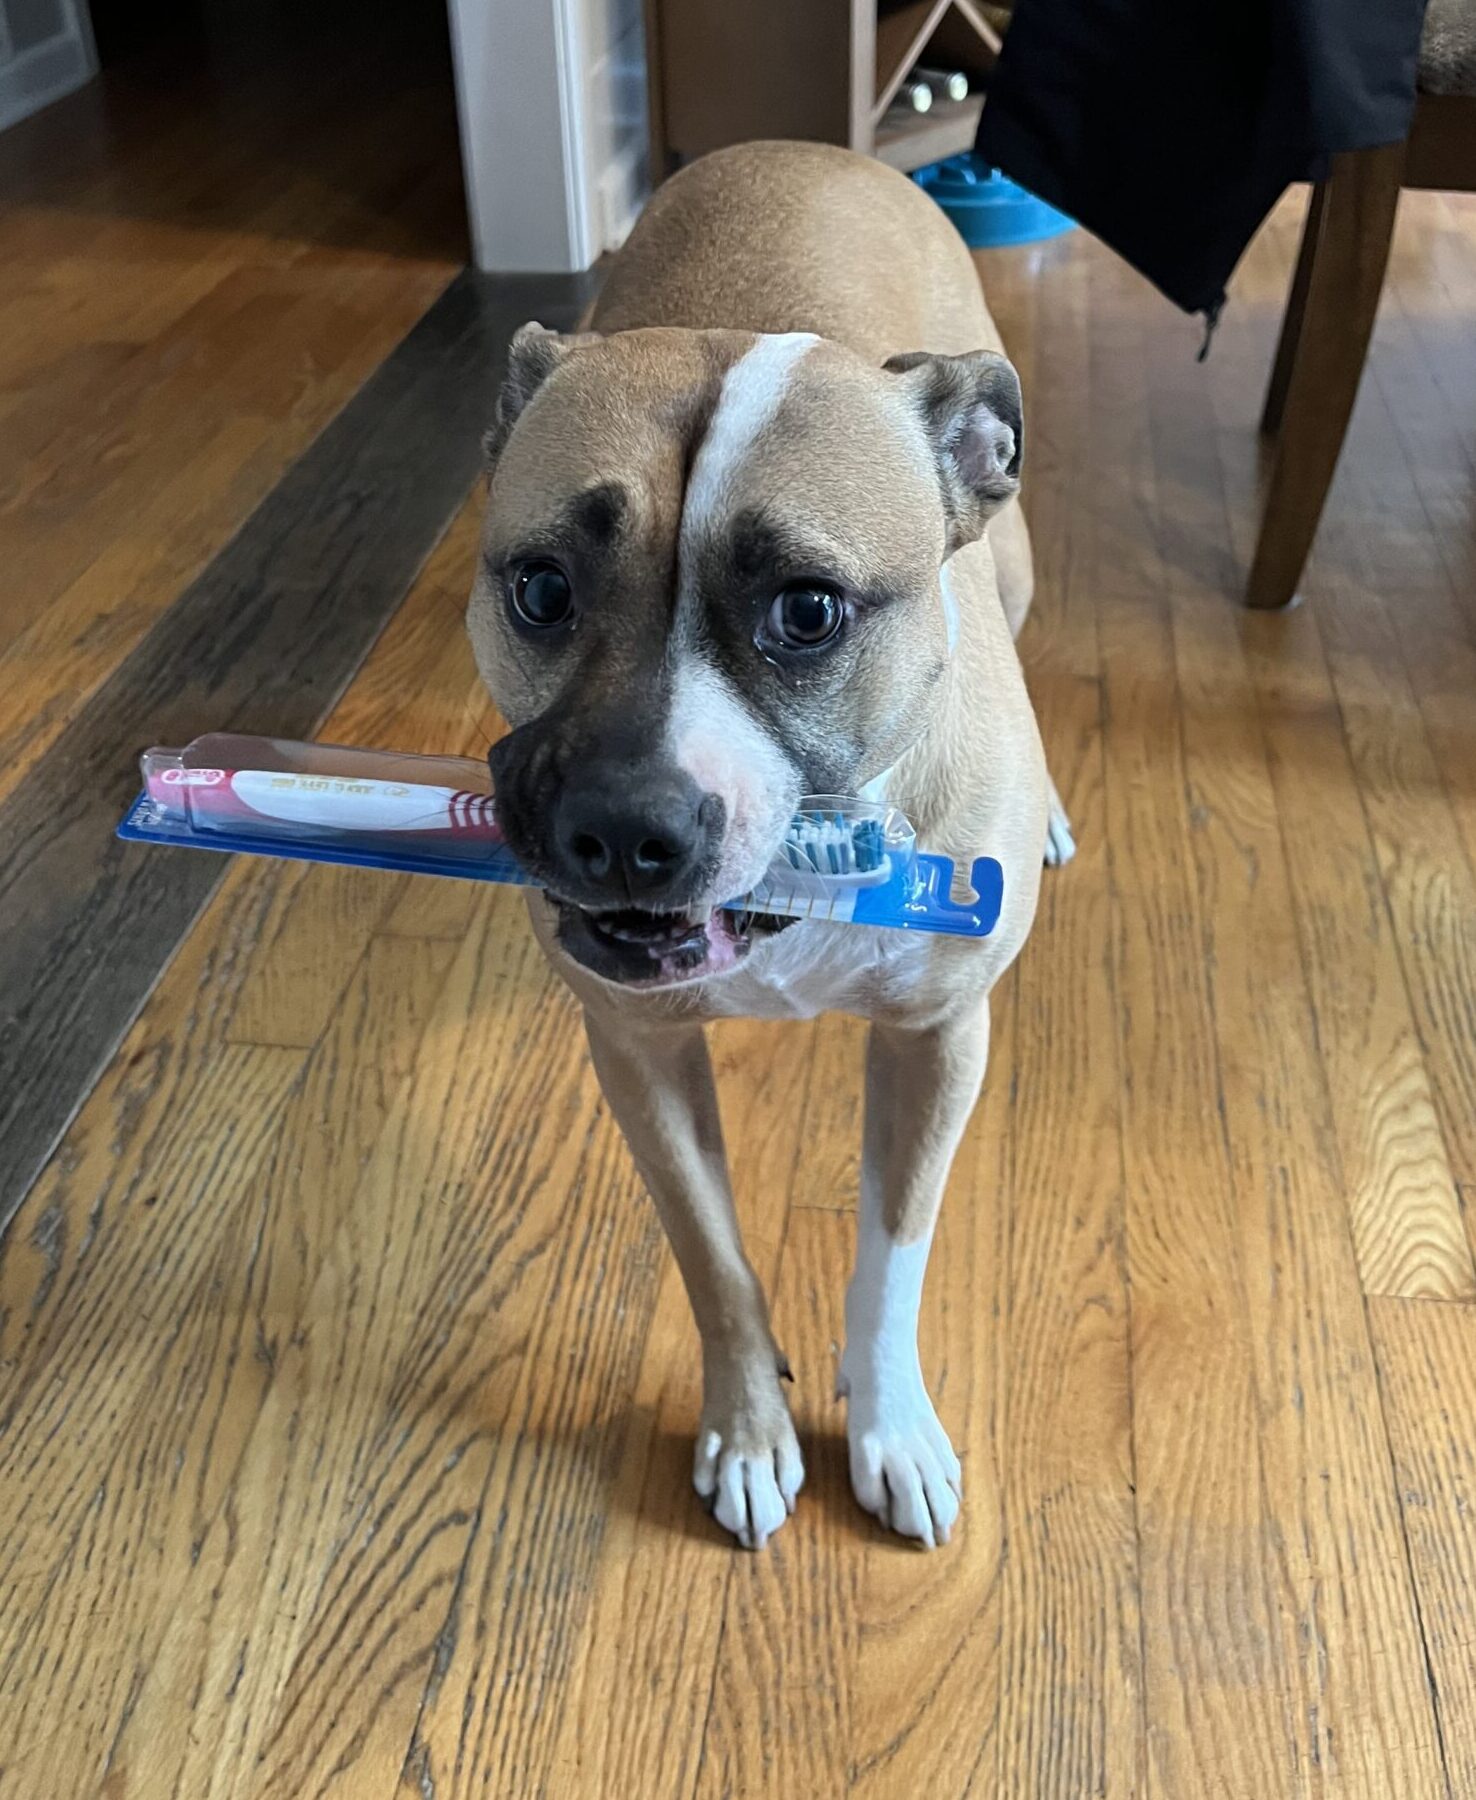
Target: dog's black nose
635, 836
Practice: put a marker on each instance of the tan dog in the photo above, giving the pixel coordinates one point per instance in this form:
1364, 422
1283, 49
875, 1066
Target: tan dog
733, 555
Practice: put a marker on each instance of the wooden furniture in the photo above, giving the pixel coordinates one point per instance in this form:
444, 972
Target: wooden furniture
722, 71
1334, 297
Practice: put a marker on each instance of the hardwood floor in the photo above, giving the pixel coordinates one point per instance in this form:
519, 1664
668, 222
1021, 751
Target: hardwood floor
202, 257
346, 1385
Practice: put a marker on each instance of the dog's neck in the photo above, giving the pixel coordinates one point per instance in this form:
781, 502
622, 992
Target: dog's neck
948, 782
904, 774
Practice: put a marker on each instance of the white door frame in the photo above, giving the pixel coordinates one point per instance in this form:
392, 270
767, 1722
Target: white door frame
520, 100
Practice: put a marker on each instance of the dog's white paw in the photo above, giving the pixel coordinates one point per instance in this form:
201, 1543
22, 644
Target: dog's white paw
903, 1468
749, 1470
1060, 844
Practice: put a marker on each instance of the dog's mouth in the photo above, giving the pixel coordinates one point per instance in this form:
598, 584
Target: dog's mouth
661, 949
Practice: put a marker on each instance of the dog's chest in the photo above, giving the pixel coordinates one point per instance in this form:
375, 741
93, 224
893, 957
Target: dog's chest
815, 968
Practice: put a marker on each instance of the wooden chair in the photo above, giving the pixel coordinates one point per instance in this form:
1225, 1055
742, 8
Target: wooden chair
1335, 294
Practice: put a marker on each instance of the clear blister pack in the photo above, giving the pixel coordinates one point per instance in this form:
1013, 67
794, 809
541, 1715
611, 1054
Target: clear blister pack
843, 859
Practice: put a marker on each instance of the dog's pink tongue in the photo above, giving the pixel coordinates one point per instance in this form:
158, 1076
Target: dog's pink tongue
722, 953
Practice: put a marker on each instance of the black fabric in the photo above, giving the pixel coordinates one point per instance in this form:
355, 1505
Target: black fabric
1169, 127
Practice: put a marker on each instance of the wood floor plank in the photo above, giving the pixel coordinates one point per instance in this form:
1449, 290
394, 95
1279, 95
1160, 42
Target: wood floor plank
120, 1145
306, 586
163, 485
77, 1236
925, 1689
1427, 1363
313, 1179
1407, 1225
69, 1493
404, 1362
656, 1611
284, 332
525, 1584
60, 656
1389, 584
1071, 1717
99, 1275
780, 1719
322, 919
1431, 887
1218, 1670
1374, 1730
1370, 1727
268, 1250
779, 1712
1221, 1685
310, 945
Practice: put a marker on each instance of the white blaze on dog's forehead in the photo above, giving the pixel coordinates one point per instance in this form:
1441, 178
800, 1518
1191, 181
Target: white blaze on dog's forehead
711, 733
753, 390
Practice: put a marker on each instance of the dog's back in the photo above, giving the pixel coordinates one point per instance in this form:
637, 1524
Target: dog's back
799, 237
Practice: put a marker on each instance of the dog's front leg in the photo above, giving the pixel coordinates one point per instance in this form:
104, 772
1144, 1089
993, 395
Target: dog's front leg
920, 1088
659, 1083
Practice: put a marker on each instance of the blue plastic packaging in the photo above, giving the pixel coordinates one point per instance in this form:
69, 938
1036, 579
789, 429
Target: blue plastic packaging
845, 860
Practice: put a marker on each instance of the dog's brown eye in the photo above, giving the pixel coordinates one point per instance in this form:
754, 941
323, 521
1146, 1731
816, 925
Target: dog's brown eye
805, 616
541, 595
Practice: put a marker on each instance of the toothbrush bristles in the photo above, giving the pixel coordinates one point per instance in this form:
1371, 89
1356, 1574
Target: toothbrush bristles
828, 844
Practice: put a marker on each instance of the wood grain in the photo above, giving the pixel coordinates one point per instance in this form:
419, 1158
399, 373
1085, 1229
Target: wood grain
1407, 1227
262, 640
1427, 1364
1219, 1670
185, 303
1072, 1722
346, 1385
1288, 1178
660, 1545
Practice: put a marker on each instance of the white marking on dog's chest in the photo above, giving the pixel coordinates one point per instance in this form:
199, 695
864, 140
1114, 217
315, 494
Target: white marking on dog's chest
814, 968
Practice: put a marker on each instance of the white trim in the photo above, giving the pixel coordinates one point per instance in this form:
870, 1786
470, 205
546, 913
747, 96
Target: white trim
570, 69
546, 189
509, 59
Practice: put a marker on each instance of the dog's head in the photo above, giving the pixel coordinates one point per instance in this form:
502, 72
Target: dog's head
709, 584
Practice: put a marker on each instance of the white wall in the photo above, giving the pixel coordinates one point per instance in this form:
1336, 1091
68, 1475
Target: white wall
551, 95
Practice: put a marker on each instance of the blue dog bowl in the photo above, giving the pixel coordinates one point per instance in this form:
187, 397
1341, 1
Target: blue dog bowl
988, 208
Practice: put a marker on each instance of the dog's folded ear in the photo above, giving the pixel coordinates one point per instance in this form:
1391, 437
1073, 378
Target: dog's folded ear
970, 408
532, 357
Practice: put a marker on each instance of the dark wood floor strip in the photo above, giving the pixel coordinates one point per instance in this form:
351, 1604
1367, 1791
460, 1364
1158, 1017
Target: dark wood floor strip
265, 639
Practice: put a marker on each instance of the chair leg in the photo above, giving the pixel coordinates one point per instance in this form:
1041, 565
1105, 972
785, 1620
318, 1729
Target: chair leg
1291, 319
1347, 257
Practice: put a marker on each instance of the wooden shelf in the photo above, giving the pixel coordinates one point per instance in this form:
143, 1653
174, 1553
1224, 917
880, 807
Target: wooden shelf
900, 38
909, 143
720, 72
980, 26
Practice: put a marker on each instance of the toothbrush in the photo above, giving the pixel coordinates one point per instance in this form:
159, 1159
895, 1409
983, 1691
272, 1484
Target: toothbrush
843, 859
221, 799
829, 851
